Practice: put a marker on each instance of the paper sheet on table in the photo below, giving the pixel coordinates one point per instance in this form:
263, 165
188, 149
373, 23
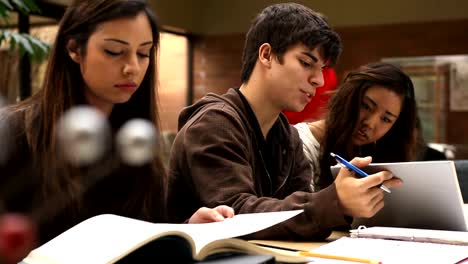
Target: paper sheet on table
392, 251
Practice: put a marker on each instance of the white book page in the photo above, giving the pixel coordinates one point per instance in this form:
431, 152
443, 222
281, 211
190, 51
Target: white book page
98, 240
392, 251
239, 225
104, 238
465, 212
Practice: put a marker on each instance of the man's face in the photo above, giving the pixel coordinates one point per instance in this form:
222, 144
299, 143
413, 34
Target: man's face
294, 80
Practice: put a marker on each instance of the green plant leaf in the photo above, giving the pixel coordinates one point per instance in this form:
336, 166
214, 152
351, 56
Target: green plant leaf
4, 34
17, 40
32, 5
20, 5
41, 49
21, 50
24, 42
5, 9
26, 6
4, 13
6, 4
38, 44
13, 37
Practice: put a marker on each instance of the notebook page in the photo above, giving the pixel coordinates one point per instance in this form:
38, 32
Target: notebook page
393, 251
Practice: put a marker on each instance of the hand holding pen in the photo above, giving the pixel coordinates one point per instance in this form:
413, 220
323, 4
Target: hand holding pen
359, 172
358, 196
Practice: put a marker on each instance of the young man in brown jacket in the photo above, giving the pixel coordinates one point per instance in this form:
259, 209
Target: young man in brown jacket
238, 149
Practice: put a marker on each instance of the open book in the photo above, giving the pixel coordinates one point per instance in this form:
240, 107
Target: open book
390, 245
115, 239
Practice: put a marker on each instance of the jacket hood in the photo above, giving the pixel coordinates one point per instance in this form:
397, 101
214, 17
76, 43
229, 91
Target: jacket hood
232, 98
211, 98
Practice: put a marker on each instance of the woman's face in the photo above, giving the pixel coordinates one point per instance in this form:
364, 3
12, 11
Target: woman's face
117, 57
379, 110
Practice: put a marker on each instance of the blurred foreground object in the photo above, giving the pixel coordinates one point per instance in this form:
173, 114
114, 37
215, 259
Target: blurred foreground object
17, 238
317, 107
83, 134
136, 142
448, 150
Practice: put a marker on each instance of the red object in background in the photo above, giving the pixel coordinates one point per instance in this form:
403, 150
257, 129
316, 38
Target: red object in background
17, 238
316, 108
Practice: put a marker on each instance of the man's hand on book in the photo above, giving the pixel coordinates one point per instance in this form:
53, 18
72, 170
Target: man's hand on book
207, 215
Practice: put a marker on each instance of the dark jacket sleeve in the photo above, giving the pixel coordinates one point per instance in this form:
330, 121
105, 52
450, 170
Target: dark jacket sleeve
216, 147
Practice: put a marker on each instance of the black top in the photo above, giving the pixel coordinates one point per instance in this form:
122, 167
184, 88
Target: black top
268, 147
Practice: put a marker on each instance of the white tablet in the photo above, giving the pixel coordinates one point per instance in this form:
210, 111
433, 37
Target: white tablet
430, 197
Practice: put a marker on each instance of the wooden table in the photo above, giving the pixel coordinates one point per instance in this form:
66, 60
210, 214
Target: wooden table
301, 246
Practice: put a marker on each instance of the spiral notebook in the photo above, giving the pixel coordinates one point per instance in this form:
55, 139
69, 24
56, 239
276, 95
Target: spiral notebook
412, 234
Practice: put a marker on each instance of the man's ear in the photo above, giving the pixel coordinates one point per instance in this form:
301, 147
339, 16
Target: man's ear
265, 54
73, 51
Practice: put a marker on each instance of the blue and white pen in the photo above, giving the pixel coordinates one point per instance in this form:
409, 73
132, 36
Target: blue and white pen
358, 171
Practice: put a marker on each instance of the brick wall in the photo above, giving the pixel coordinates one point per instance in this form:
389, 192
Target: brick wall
216, 63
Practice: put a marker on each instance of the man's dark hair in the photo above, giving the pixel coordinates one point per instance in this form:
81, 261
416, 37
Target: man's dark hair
286, 24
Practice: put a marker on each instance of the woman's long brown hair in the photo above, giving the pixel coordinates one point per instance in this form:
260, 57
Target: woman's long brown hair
63, 88
397, 145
